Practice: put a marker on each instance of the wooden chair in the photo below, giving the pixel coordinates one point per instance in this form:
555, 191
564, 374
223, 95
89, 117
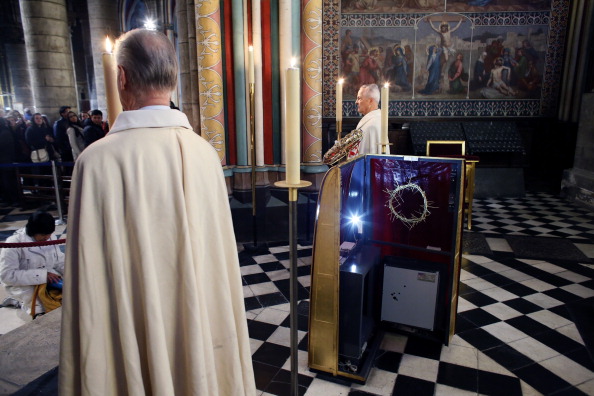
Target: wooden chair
457, 149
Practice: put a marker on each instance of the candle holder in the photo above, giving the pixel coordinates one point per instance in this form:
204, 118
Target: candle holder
293, 294
383, 147
253, 247
338, 130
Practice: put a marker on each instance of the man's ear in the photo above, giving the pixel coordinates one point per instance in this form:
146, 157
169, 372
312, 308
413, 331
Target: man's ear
121, 78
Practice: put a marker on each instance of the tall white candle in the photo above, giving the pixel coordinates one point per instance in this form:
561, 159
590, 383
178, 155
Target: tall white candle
251, 74
293, 126
339, 86
385, 99
112, 97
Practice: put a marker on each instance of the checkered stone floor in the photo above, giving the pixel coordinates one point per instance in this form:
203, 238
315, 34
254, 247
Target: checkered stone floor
514, 335
526, 262
536, 214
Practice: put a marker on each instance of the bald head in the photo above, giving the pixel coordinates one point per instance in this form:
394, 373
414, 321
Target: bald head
149, 61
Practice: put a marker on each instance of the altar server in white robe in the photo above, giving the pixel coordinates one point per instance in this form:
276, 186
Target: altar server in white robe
153, 300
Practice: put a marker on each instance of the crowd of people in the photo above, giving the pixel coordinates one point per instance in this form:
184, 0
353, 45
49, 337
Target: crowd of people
31, 138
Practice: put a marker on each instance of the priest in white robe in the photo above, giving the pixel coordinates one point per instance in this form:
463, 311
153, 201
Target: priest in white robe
152, 299
368, 98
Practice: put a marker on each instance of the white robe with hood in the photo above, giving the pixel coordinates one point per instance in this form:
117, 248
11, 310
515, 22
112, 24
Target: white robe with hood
153, 298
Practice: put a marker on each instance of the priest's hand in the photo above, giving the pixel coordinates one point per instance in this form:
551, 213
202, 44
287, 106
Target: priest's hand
53, 278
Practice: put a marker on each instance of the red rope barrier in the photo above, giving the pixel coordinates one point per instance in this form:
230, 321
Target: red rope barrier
32, 244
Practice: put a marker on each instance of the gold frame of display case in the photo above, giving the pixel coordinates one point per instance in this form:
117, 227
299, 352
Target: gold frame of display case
323, 316
324, 320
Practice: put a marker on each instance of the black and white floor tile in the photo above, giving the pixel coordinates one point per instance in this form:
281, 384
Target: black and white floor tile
527, 262
515, 334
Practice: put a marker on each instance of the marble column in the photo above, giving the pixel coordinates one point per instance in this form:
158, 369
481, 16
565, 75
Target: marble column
16, 54
103, 21
49, 55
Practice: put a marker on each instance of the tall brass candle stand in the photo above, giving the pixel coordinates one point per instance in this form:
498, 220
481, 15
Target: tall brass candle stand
383, 147
294, 288
338, 130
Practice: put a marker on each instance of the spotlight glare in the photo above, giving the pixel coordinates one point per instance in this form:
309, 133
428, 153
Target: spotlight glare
150, 24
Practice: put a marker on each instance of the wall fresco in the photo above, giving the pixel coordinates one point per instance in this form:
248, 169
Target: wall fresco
403, 6
449, 64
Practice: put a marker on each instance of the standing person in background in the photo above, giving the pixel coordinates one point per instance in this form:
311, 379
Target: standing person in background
8, 181
39, 138
84, 118
75, 135
367, 103
38, 135
94, 130
145, 315
22, 150
60, 136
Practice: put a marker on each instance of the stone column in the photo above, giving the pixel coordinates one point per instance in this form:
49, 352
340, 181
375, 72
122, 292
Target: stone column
49, 55
188, 62
578, 182
19, 73
103, 22
210, 75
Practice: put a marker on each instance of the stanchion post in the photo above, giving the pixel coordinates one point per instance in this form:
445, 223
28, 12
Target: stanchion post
293, 190
60, 220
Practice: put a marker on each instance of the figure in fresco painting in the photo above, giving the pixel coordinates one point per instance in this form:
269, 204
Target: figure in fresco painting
511, 64
531, 80
445, 34
369, 71
529, 51
388, 64
434, 70
456, 75
494, 51
400, 69
521, 63
410, 62
498, 77
364, 4
480, 76
353, 63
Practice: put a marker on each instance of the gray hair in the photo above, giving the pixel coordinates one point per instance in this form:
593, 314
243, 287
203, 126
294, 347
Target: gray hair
149, 59
371, 91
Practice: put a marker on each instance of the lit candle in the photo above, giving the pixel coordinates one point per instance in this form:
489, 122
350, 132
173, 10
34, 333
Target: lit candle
251, 78
112, 97
339, 85
385, 104
293, 125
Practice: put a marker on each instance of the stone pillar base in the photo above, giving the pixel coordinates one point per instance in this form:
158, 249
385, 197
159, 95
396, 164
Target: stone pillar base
578, 186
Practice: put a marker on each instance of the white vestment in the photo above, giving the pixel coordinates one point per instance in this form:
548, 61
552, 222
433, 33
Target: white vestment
153, 298
371, 125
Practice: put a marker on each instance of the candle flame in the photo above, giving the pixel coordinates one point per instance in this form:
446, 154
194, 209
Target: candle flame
293, 61
341, 80
387, 85
108, 45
